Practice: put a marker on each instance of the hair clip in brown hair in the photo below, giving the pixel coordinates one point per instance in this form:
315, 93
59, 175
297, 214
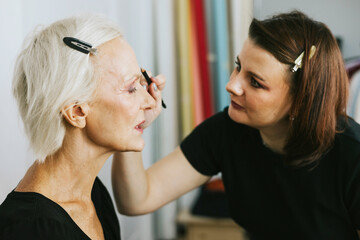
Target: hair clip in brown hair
79, 45
298, 61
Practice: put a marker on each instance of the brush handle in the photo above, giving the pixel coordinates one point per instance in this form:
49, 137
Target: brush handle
148, 80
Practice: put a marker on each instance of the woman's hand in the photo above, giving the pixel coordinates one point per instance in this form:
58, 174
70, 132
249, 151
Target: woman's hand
155, 88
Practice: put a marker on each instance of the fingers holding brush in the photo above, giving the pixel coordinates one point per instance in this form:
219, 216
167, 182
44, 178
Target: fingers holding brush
156, 85
155, 91
159, 80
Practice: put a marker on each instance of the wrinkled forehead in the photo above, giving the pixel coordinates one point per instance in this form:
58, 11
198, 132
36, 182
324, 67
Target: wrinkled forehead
116, 58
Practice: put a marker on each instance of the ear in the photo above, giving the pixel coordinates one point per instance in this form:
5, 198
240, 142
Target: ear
75, 114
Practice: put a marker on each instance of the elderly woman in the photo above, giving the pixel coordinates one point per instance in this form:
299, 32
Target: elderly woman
288, 154
81, 96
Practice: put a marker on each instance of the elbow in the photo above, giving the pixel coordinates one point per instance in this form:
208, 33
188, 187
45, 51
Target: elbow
126, 211
123, 210
132, 211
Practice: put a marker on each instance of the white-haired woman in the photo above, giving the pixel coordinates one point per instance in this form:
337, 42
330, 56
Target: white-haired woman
82, 97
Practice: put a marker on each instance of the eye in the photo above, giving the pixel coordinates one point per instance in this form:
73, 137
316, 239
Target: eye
238, 66
132, 90
135, 86
255, 83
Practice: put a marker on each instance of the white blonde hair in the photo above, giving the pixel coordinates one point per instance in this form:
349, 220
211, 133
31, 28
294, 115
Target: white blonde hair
49, 75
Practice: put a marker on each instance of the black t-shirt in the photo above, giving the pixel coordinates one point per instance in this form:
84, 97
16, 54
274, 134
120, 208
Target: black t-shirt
274, 201
29, 215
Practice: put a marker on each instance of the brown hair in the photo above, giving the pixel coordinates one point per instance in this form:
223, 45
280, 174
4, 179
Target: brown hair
319, 88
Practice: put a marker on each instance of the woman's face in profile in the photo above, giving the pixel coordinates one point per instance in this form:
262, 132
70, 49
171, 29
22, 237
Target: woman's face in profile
258, 88
117, 113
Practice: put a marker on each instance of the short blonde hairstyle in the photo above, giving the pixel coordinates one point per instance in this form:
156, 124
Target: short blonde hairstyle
49, 75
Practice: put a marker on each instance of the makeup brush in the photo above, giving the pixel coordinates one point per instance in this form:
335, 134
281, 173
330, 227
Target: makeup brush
148, 80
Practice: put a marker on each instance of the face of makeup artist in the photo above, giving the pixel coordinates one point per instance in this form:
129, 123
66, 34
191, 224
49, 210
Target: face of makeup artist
117, 112
259, 89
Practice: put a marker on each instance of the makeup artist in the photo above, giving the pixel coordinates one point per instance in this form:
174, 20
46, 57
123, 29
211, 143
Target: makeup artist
81, 96
288, 153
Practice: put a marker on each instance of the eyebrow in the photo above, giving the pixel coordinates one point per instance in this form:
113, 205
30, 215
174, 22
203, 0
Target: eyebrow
252, 73
132, 78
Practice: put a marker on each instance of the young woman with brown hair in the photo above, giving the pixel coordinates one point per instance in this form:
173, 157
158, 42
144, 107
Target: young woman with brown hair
288, 154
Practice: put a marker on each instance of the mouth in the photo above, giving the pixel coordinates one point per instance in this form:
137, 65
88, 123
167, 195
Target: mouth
237, 106
139, 127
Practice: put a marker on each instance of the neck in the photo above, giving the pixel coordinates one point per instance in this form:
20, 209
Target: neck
69, 174
275, 137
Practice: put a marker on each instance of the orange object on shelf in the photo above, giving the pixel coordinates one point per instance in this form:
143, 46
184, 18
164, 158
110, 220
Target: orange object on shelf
215, 185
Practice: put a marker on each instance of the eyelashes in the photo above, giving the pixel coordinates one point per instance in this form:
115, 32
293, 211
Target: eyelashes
253, 82
132, 89
238, 66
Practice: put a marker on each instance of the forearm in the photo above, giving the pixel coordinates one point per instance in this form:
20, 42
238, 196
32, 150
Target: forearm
138, 191
129, 181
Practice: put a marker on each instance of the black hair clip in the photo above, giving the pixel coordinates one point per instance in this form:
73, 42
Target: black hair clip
79, 45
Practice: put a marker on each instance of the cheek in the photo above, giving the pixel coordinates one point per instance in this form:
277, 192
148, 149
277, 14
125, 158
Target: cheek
257, 102
109, 113
280, 107
127, 107
111, 123
126, 114
269, 105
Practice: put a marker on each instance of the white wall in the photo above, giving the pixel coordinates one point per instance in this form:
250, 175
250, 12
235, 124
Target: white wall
341, 16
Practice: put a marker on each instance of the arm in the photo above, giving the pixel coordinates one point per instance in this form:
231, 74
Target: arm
138, 191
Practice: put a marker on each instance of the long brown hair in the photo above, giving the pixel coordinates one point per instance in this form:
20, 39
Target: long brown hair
319, 88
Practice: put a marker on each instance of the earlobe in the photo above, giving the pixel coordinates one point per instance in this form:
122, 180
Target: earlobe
75, 114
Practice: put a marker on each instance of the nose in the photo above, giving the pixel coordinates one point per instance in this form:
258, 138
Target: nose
148, 101
235, 85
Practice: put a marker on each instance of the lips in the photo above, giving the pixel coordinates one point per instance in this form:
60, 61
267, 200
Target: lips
139, 127
237, 106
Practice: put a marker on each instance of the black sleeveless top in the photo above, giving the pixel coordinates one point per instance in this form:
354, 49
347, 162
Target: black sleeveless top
29, 215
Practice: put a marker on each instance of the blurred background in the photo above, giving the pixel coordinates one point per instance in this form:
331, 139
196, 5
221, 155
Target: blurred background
192, 42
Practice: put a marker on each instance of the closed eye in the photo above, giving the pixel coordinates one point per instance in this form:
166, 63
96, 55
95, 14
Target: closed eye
132, 89
134, 86
143, 84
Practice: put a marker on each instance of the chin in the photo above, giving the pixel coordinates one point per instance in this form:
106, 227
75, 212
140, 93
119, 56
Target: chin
138, 146
237, 116
138, 149
130, 146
